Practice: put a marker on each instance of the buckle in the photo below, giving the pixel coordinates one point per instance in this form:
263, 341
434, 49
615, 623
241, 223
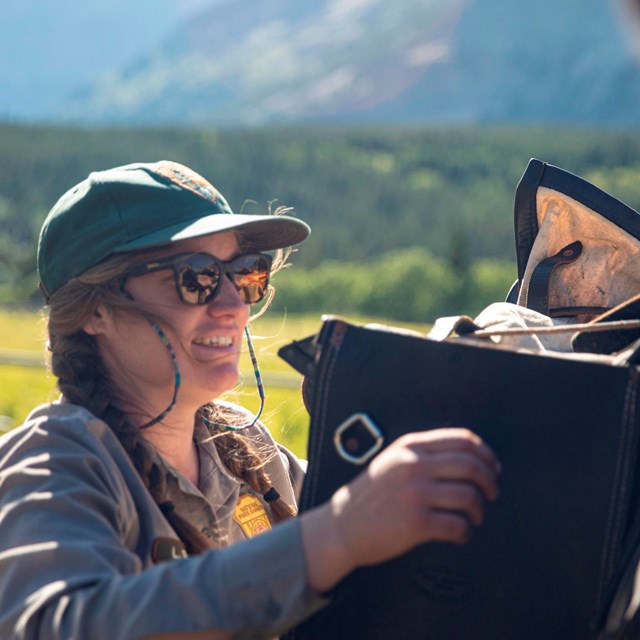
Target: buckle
358, 439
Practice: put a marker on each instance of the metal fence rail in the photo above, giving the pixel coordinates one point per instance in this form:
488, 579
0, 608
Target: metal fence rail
22, 358
33, 359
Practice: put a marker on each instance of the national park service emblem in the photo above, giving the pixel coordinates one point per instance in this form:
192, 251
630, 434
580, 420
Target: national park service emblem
250, 514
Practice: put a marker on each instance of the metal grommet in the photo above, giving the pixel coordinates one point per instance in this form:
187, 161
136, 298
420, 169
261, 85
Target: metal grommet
358, 439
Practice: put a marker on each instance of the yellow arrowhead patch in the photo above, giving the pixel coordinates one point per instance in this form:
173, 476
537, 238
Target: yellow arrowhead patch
251, 515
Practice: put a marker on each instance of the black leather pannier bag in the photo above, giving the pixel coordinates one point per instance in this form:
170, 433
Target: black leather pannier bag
544, 563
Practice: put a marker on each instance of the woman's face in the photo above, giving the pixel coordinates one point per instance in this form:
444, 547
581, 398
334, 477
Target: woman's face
207, 339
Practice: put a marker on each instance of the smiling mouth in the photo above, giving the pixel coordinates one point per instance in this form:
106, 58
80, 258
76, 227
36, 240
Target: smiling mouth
215, 341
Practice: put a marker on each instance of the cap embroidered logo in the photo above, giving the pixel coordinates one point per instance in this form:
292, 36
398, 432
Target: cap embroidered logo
187, 178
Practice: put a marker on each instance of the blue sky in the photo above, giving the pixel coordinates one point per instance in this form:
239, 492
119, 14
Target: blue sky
46, 46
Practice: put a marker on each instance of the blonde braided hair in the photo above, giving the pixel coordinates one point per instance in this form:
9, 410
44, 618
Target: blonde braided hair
83, 380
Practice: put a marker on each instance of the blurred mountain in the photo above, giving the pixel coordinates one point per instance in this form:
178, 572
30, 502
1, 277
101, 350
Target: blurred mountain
230, 62
49, 48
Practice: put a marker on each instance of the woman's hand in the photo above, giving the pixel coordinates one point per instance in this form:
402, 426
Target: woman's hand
426, 486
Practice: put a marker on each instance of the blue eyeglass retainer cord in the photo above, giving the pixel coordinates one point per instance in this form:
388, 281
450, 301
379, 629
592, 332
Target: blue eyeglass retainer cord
177, 381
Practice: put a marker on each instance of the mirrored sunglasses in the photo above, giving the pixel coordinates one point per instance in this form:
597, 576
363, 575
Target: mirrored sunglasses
198, 276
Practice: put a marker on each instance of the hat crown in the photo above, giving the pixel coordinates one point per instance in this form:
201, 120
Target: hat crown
113, 207
139, 206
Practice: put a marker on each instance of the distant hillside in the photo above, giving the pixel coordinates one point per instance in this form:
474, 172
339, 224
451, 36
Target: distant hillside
437, 61
300, 59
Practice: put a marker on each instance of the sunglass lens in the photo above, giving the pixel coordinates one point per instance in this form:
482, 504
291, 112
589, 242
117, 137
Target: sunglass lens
251, 277
198, 279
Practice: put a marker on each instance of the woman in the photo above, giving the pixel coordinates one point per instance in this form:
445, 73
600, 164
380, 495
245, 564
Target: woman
120, 503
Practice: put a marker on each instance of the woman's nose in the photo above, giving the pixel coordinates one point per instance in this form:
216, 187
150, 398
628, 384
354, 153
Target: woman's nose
228, 299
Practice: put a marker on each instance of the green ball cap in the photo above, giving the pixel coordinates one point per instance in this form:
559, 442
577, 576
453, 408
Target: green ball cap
139, 206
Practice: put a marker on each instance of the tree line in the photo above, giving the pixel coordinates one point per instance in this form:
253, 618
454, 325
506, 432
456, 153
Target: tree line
408, 223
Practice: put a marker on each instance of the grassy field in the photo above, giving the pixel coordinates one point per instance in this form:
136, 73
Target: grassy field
24, 387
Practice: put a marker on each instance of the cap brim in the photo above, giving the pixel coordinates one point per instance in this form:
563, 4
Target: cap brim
261, 233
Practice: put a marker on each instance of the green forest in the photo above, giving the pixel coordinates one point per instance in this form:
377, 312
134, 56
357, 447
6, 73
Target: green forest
408, 223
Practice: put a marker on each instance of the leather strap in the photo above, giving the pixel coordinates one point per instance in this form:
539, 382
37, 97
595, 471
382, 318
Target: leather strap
538, 293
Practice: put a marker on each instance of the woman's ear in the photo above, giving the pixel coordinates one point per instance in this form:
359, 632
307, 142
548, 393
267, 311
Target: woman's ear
98, 322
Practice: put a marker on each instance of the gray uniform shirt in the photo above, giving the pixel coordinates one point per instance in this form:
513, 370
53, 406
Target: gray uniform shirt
79, 535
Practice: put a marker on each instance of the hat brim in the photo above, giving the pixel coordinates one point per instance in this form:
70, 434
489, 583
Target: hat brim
260, 233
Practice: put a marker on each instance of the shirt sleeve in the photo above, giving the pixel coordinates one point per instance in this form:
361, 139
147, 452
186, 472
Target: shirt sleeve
68, 532
297, 469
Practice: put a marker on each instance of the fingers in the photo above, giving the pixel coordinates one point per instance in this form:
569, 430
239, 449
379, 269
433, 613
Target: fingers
451, 439
452, 472
446, 526
463, 467
455, 455
459, 497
